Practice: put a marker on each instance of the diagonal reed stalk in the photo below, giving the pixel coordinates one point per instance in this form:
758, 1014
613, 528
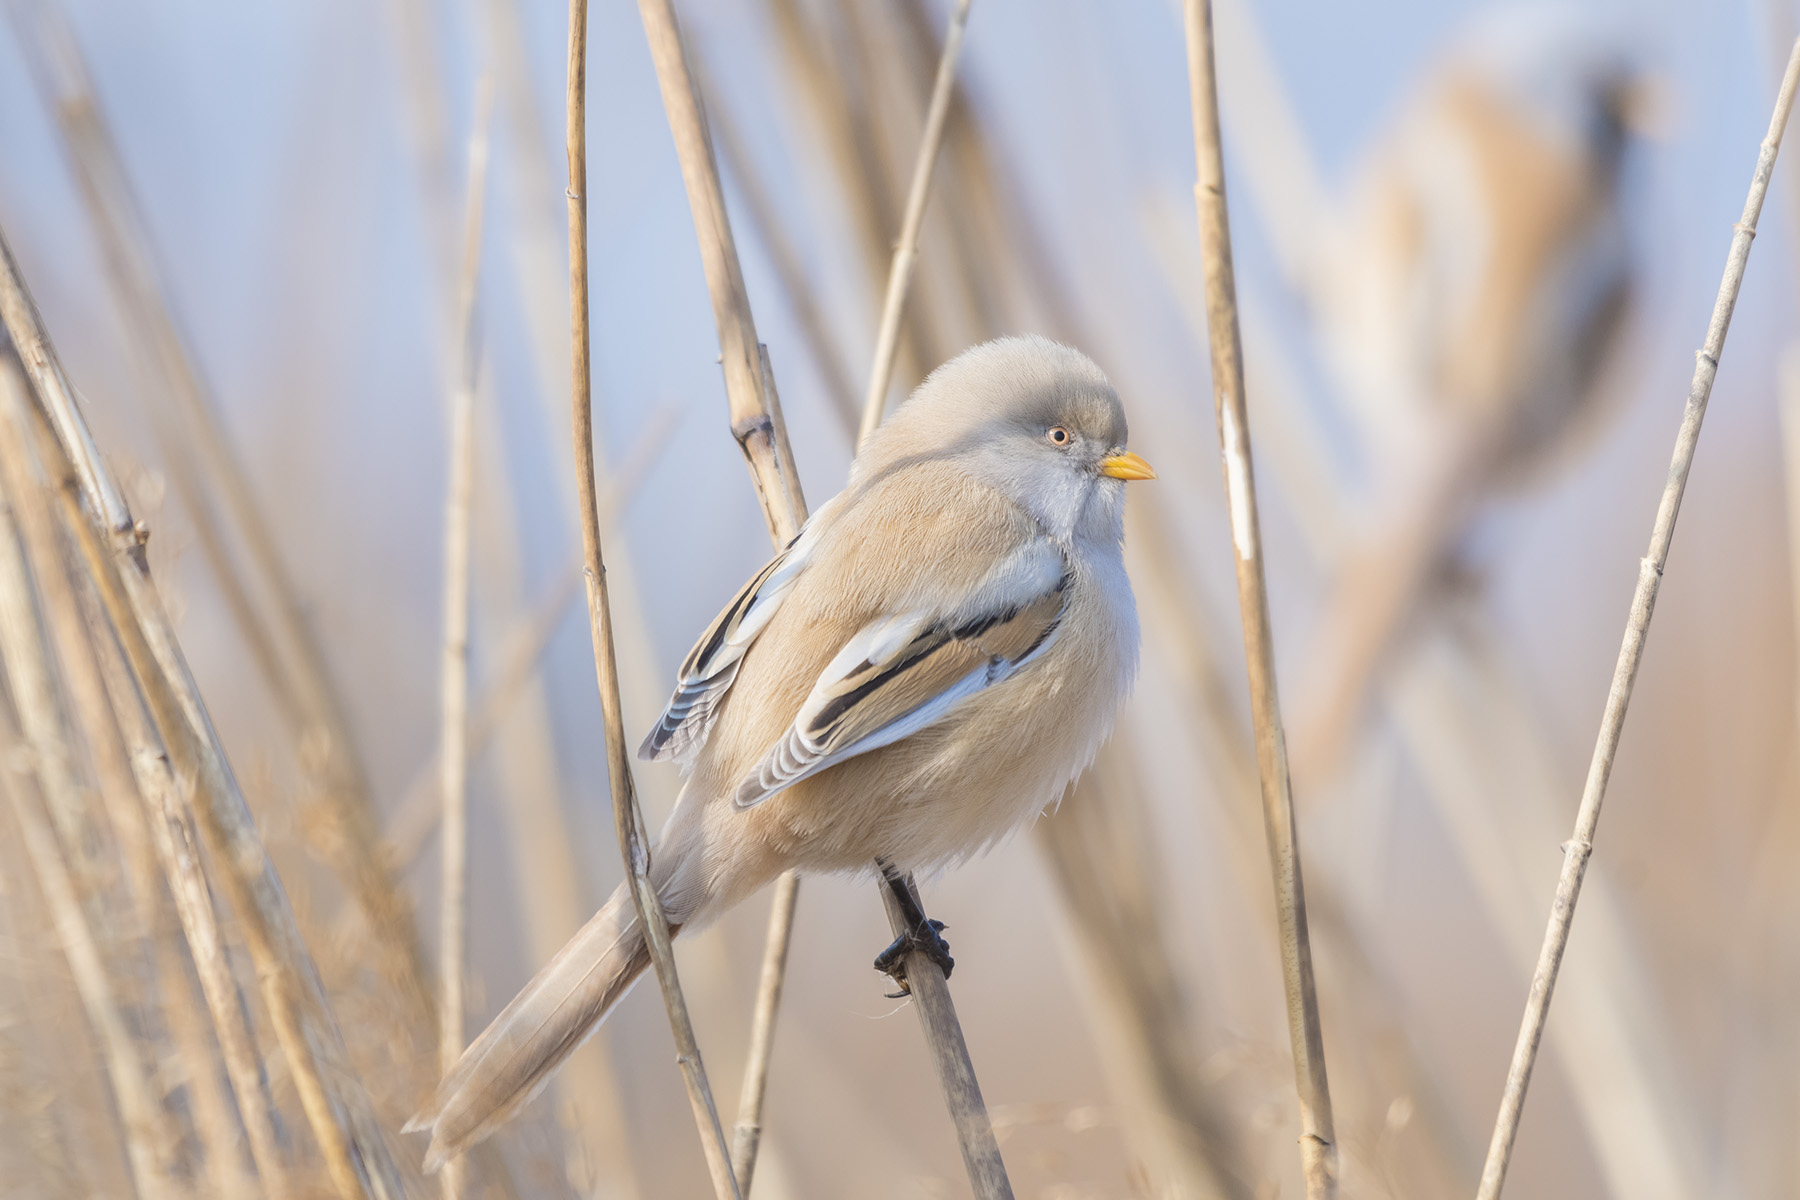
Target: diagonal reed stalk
221, 502
783, 256
453, 736
145, 1124
215, 1120
627, 820
1580, 847
906, 253
112, 542
38, 782
1318, 1150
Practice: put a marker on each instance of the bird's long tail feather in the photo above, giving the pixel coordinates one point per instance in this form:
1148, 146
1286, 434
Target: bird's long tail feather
512, 1060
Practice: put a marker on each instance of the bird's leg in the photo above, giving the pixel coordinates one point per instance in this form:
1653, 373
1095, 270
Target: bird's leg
921, 933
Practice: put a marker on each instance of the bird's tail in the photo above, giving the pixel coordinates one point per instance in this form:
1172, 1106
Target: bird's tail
513, 1059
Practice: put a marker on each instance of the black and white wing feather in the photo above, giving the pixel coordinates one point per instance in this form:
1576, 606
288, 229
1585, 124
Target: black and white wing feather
711, 667
900, 674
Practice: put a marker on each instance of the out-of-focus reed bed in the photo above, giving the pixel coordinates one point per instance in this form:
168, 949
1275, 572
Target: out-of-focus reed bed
223, 988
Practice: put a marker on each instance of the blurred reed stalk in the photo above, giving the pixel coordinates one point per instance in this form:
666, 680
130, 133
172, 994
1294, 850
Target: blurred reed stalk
1580, 847
783, 256
628, 821
148, 1139
906, 252
516, 662
1469, 726
215, 1121
1318, 1150
1100, 847
453, 736
38, 782
821, 64
336, 1105
549, 865
241, 546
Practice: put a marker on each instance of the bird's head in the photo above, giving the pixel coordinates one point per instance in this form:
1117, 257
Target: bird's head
1031, 418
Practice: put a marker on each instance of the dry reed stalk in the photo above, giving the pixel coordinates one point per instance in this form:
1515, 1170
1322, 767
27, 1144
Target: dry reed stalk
627, 820
453, 735
547, 862
821, 64
950, 1056
766, 222
1499, 805
265, 605
1580, 847
178, 849
36, 788
521, 652
756, 420
214, 1118
556, 883
148, 1140
757, 424
968, 183
907, 251
746, 1134
337, 1107
1318, 1151
40, 1079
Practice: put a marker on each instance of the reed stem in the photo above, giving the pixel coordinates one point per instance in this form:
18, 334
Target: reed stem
1579, 848
453, 736
1318, 1149
628, 822
336, 1104
906, 253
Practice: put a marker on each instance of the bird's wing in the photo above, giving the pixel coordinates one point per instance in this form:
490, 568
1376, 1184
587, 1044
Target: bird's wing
711, 667
899, 674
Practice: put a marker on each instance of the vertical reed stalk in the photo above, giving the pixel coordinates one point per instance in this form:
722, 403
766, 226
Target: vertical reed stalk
336, 1104
522, 648
906, 253
1318, 1150
453, 737
627, 820
1580, 847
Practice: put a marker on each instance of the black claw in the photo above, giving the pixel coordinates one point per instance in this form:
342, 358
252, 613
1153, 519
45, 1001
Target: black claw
924, 938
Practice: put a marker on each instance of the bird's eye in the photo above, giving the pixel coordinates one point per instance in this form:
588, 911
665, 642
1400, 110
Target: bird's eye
1058, 436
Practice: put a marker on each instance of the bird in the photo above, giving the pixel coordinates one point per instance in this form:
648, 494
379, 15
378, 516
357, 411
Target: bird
923, 669
1480, 283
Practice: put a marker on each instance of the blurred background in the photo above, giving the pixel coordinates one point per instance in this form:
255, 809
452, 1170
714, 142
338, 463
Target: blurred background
1477, 246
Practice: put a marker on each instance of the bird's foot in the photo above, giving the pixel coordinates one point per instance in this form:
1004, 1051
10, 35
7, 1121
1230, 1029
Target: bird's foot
927, 940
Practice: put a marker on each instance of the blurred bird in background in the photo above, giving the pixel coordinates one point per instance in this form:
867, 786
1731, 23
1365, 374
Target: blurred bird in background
1468, 305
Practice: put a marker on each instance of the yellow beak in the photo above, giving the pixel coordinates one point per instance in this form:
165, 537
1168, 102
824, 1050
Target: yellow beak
1127, 466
